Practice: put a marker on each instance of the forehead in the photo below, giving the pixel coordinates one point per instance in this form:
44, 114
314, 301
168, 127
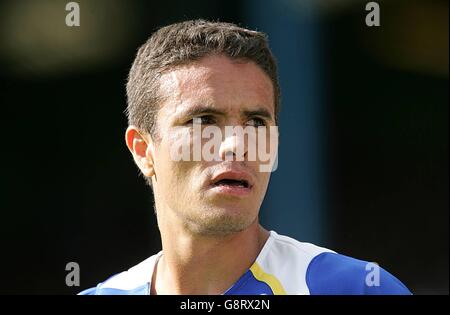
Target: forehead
229, 84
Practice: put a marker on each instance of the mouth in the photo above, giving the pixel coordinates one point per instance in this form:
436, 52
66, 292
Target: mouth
232, 183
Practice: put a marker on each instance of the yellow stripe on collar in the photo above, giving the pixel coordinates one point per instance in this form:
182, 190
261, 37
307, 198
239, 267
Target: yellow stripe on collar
269, 279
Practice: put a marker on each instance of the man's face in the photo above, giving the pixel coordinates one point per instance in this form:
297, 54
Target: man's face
211, 197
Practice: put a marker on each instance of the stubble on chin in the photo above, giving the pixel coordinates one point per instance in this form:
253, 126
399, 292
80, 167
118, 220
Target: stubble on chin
218, 224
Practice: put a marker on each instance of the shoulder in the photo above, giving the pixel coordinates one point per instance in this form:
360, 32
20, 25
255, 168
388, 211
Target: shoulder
304, 268
331, 273
134, 281
286, 260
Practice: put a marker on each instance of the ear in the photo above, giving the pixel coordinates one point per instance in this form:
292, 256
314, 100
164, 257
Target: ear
141, 147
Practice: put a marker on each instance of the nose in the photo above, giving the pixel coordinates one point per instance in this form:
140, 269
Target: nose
233, 148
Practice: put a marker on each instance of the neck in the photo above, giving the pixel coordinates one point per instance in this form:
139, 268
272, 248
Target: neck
198, 264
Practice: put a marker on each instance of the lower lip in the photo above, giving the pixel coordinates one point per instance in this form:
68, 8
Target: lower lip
231, 190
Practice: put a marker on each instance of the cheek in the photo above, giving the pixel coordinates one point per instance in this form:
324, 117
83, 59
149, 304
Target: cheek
175, 178
177, 156
263, 180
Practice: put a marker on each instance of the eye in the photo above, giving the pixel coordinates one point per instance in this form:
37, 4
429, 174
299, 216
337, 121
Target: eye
256, 122
204, 120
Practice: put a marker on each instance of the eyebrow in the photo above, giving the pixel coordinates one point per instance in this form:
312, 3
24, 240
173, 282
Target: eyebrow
207, 109
202, 109
260, 112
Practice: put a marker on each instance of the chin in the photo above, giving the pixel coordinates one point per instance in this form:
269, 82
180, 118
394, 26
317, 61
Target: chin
224, 221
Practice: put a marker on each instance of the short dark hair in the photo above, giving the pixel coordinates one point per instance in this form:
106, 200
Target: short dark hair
181, 43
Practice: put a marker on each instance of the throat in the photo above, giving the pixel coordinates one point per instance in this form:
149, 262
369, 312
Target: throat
206, 266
